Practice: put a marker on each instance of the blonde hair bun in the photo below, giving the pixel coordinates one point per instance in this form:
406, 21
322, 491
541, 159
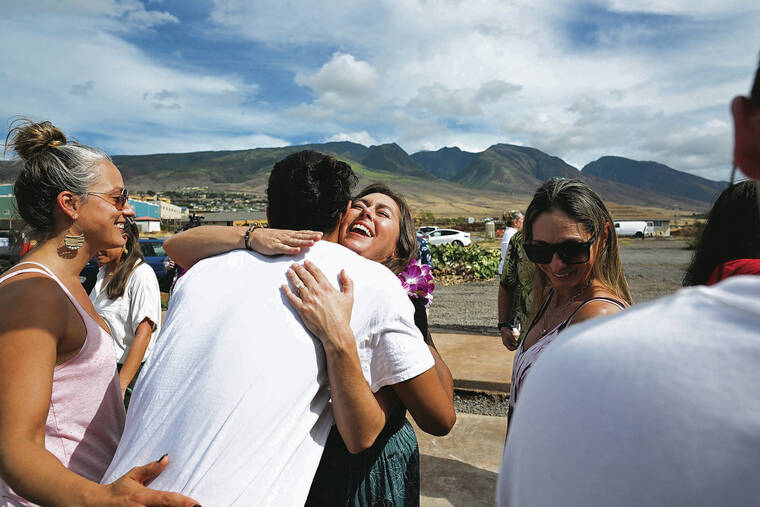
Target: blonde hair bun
29, 139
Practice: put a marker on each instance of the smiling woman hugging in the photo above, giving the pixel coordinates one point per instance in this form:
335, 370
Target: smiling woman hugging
568, 235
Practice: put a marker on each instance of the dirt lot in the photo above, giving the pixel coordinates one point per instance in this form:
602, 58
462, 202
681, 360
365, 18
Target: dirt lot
654, 268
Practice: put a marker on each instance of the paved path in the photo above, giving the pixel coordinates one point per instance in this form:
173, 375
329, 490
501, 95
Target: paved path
461, 468
477, 362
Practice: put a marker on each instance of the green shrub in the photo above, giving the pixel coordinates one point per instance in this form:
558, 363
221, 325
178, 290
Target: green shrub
464, 263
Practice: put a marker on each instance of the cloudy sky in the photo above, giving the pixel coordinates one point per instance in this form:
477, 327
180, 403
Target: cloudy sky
645, 79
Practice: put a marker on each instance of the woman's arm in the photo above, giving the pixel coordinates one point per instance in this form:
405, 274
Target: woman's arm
34, 320
327, 313
136, 354
444, 374
359, 415
193, 245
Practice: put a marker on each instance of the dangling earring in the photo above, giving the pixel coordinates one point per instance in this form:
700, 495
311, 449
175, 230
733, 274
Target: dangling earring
74, 241
126, 250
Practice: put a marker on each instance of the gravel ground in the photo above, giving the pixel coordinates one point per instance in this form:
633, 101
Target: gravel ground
480, 403
654, 268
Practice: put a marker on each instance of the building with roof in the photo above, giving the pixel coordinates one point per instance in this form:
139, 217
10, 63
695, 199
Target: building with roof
234, 218
168, 211
148, 224
145, 209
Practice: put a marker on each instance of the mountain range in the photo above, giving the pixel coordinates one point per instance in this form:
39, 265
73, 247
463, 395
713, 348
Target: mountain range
503, 169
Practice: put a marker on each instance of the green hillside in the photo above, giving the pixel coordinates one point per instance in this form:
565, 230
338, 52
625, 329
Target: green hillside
513, 169
392, 158
656, 177
445, 163
502, 172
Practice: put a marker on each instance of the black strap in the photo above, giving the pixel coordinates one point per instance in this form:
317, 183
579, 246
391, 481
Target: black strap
600, 298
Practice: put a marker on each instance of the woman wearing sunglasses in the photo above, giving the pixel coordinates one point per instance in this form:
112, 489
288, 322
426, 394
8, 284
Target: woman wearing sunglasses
61, 410
568, 235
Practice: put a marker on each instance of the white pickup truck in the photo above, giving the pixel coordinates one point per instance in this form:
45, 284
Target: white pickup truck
635, 228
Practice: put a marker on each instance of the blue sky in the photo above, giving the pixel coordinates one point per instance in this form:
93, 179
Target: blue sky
646, 79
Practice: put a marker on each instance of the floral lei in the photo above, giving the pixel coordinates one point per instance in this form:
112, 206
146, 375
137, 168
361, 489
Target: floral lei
417, 280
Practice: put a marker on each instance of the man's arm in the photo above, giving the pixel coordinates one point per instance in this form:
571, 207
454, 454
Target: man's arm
506, 301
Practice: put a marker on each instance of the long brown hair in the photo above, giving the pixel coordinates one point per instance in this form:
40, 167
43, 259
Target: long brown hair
578, 201
406, 244
131, 257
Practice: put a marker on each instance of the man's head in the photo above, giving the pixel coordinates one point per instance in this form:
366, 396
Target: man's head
514, 218
309, 190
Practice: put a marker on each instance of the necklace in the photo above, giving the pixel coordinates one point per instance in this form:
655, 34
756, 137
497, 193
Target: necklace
562, 308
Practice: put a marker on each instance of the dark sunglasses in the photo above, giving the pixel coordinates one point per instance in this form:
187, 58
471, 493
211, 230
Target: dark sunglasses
569, 252
119, 200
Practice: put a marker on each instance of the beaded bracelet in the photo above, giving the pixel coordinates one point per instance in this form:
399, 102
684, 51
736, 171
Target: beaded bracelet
248, 235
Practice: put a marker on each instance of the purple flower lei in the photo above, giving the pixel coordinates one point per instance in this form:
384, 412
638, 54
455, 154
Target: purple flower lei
417, 280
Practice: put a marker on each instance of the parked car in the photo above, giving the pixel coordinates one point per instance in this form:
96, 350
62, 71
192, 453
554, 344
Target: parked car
155, 256
445, 236
636, 228
426, 229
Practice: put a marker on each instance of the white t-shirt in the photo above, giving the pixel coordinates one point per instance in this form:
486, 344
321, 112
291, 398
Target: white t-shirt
236, 390
141, 300
659, 405
508, 233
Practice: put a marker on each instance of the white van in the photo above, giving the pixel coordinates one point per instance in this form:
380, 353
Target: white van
635, 228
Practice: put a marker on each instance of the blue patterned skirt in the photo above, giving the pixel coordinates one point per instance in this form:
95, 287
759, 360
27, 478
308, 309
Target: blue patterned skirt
386, 474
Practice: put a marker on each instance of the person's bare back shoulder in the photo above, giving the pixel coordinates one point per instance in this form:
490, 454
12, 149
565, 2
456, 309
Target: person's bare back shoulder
32, 300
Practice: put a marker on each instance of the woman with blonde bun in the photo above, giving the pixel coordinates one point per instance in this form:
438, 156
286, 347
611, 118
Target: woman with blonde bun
61, 410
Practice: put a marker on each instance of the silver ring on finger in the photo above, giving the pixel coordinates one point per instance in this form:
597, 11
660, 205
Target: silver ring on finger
299, 286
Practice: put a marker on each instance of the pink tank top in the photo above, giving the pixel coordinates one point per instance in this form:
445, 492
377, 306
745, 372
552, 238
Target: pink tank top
86, 415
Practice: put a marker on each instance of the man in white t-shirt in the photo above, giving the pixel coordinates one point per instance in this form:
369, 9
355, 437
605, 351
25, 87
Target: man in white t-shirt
659, 405
236, 389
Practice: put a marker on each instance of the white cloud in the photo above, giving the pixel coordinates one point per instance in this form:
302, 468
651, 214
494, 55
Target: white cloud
95, 82
438, 99
423, 73
362, 137
341, 83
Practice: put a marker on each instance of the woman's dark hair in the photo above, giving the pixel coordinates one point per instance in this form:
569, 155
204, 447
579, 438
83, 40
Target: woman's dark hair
309, 190
50, 165
406, 244
131, 257
732, 232
578, 201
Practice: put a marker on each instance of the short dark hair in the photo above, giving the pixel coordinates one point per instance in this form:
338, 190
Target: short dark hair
732, 232
406, 244
309, 190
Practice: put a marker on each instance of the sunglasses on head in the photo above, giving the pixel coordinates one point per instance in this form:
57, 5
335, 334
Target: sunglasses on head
119, 200
569, 252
